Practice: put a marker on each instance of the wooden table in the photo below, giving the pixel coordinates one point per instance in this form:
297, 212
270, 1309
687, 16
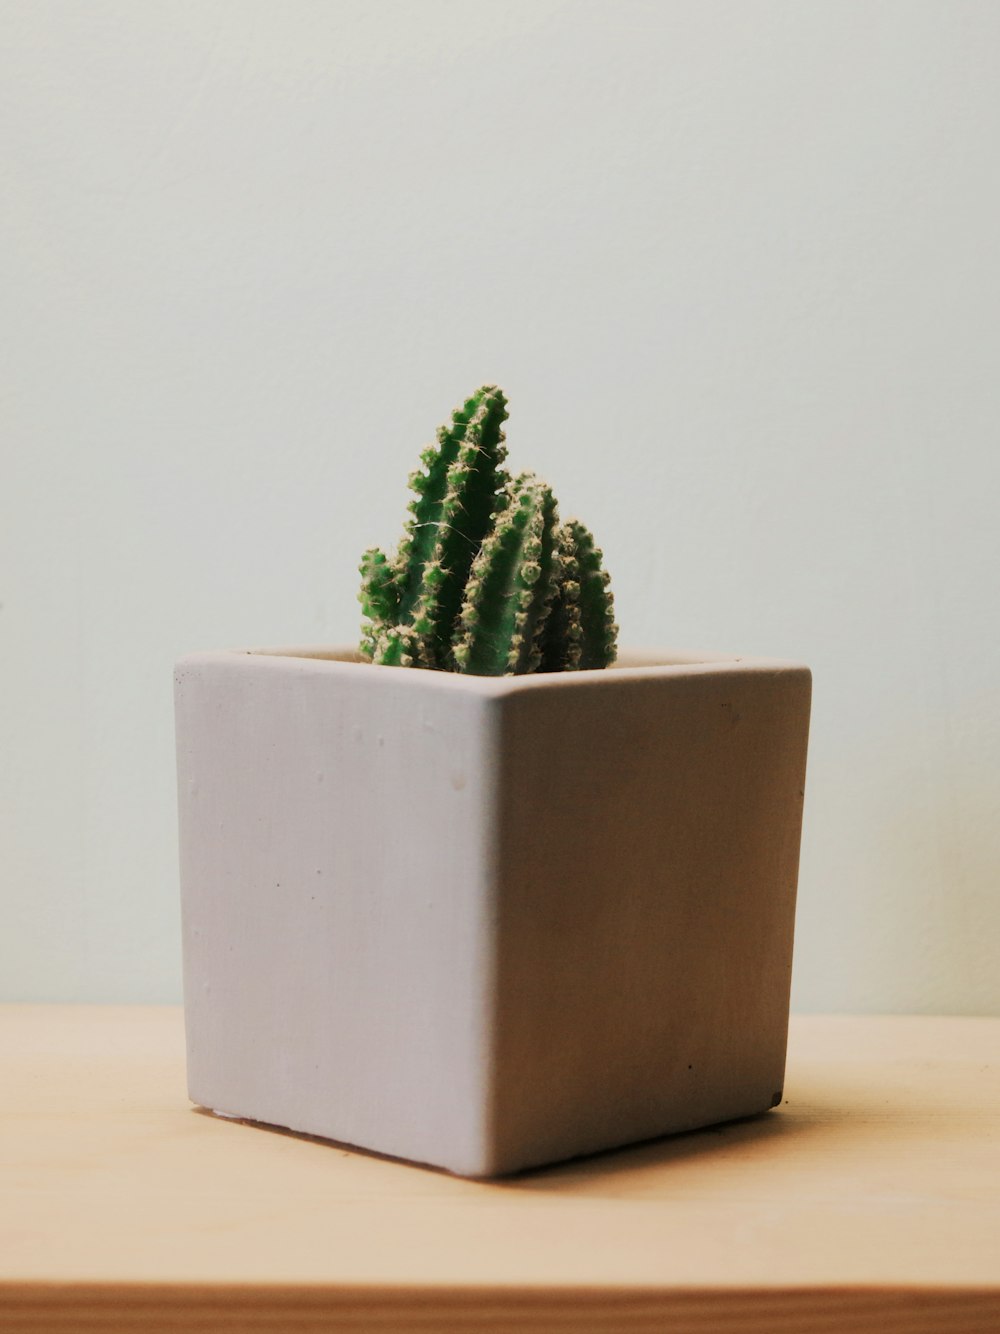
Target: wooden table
870, 1200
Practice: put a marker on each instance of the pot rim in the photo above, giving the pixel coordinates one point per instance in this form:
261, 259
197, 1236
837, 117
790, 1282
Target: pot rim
632, 664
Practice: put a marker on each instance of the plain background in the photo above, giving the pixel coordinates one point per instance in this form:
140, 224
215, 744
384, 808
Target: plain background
736, 266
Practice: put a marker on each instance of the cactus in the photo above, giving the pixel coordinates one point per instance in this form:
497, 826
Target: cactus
582, 628
512, 587
486, 580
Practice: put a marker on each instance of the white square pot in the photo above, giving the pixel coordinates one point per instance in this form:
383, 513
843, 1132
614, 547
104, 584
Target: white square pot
487, 923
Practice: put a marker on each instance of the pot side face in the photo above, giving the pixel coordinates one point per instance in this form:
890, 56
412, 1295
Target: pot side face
487, 923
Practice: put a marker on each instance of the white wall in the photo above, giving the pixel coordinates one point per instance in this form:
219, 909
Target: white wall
736, 265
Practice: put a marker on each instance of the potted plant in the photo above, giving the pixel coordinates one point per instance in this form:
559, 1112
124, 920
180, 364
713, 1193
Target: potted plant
484, 895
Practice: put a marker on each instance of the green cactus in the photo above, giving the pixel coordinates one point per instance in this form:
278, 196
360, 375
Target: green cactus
512, 587
485, 580
582, 628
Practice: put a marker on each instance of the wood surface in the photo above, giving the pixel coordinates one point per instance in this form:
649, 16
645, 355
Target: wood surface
870, 1200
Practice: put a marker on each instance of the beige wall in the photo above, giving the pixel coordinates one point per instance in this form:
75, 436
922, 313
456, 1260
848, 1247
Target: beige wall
736, 265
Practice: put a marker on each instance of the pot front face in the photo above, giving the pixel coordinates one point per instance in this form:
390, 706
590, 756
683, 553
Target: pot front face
486, 924
336, 872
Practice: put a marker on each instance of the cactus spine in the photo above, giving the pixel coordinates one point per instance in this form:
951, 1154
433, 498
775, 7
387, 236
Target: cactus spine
485, 580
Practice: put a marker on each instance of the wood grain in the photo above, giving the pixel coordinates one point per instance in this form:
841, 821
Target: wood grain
163, 1310
869, 1200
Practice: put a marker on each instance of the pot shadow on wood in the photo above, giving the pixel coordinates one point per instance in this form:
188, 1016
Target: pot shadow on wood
828, 1118
659, 1161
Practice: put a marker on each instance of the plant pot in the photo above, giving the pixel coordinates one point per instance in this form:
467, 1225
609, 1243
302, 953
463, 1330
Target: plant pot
488, 922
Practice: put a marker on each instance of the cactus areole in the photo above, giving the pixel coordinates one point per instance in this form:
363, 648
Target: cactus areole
486, 580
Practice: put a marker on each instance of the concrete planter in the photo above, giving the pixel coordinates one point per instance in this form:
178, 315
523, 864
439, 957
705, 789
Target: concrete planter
487, 923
